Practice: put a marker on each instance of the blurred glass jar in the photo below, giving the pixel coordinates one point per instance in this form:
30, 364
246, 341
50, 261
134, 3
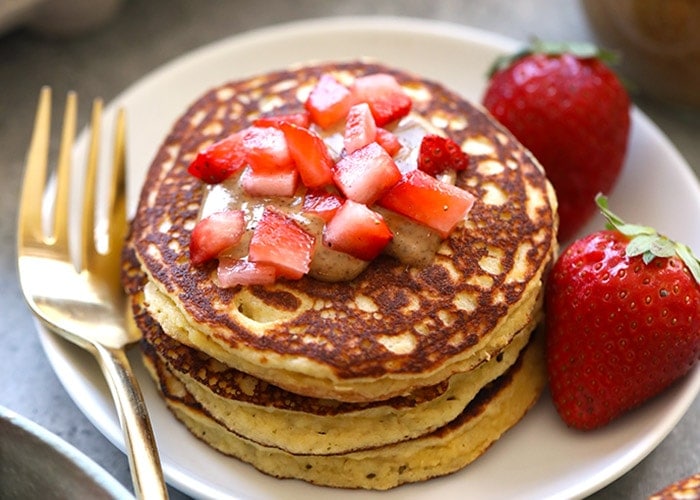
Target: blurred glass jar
659, 41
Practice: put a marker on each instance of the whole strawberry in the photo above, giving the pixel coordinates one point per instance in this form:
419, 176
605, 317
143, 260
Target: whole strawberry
622, 321
571, 111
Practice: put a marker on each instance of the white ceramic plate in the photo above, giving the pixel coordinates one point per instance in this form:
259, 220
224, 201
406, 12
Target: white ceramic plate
540, 457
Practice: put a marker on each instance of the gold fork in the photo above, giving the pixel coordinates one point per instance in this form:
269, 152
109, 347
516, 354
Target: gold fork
82, 300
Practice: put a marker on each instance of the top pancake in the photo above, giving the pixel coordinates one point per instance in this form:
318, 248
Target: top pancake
393, 327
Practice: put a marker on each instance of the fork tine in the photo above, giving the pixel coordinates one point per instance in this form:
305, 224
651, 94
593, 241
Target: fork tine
63, 175
110, 260
117, 193
88, 249
34, 183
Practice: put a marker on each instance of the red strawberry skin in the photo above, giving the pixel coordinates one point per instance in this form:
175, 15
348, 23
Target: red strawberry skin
573, 114
619, 331
438, 154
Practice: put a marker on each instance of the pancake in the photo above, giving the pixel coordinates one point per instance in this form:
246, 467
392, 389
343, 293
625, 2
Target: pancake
392, 329
495, 409
270, 416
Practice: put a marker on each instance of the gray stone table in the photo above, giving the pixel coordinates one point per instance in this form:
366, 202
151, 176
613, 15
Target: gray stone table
145, 34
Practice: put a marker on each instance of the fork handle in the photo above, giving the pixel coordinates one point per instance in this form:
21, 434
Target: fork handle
146, 471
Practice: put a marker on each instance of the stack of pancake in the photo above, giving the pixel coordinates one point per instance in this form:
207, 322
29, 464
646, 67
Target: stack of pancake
400, 375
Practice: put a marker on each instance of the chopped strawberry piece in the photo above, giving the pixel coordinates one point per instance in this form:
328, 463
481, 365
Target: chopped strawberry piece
385, 96
360, 128
284, 182
388, 141
310, 155
366, 174
214, 234
303, 119
266, 149
232, 272
280, 242
322, 203
357, 230
428, 201
328, 102
219, 161
438, 154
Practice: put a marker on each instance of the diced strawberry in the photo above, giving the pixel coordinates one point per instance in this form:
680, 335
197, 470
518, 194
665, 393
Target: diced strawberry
328, 102
303, 119
385, 96
219, 161
357, 230
280, 242
232, 272
388, 141
283, 182
214, 234
437, 154
310, 154
266, 149
360, 128
366, 174
321, 203
428, 201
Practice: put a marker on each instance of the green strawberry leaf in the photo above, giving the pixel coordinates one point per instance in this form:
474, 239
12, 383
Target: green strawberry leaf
647, 242
686, 254
662, 247
614, 222
506, 60
650, 246
582, 50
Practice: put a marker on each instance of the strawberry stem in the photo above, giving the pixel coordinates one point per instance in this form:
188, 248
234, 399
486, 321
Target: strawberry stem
647, 242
